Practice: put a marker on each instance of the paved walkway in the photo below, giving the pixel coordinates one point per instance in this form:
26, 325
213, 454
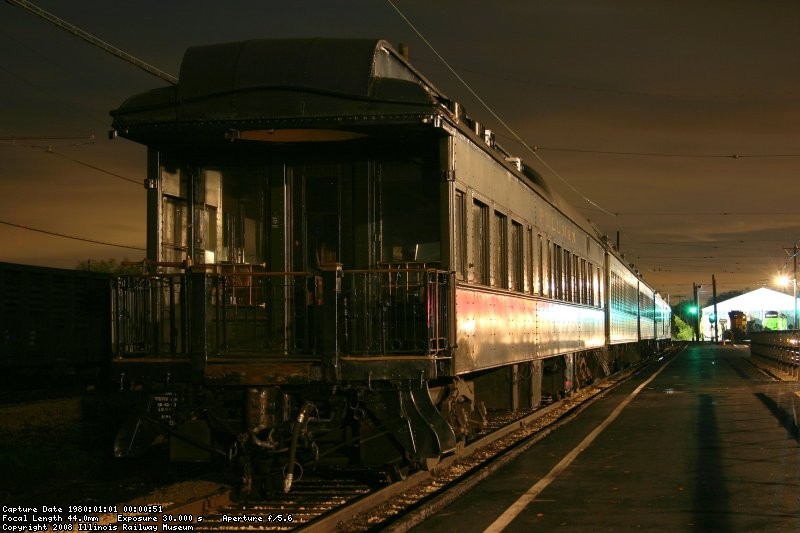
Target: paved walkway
704, 441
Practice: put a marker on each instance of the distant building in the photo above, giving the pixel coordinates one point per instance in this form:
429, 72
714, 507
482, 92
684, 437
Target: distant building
756, 305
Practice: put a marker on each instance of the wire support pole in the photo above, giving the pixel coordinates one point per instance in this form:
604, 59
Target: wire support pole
793, 254
93, 40
793, 251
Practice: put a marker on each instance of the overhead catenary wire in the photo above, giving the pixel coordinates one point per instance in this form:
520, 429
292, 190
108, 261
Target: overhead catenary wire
710, 245
586, 87
50, 150
687, 155
534, 150
93, 40
492, 112
65, 236
705, 214
547, 155
114, 51
663, 154
13, 140
53, 95
733, 155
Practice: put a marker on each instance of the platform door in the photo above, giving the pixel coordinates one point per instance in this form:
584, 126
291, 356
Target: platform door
333, 216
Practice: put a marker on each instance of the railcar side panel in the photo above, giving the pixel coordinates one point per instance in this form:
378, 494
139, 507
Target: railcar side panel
566, 328
663, 313
558, 309
623, 303
494, 329
647, 313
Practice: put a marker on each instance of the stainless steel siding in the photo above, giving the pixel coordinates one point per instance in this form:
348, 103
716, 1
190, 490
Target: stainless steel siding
494, 328
623, 315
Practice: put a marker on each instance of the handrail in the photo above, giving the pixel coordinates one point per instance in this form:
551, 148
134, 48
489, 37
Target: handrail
282, 312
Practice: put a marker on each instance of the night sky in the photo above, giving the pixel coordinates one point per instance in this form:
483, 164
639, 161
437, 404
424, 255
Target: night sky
637, 110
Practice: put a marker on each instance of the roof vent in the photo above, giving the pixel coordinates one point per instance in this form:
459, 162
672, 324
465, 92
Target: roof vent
488, 137
516, 161
402, 48
477, 127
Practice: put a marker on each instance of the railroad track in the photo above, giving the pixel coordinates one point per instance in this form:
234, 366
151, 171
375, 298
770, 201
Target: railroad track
359, 500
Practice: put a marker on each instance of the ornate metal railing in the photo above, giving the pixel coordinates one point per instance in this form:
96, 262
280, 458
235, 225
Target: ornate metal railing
396, 311
364, 312
149, 315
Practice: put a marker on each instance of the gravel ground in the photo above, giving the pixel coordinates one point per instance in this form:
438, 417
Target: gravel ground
60, 452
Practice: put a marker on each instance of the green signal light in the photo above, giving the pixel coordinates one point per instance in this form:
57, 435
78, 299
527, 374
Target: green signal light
693, 310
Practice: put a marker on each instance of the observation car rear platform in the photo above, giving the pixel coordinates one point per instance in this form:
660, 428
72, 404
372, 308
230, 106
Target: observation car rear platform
338, 257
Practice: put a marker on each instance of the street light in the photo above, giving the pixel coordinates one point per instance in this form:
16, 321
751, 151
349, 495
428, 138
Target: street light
784, 280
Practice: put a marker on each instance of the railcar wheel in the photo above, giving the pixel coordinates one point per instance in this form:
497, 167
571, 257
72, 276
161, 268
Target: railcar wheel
397, 471
463, 412
429, 463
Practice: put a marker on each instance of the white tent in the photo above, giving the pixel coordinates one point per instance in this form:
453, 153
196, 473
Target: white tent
754, 304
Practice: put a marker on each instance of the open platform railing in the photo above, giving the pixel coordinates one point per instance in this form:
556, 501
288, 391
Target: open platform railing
223, 312
396, 311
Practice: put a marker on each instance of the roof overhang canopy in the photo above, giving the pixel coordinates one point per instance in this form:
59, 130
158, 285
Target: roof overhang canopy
273, 84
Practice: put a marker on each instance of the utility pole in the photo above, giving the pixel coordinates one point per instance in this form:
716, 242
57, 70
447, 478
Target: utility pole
793, 251
714, 296
696, 324
794, 285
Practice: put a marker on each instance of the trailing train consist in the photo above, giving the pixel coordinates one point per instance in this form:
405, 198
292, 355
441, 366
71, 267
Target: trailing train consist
54, 325
342, 263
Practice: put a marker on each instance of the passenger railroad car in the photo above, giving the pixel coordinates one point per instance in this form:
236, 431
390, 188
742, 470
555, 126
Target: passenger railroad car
339, 257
